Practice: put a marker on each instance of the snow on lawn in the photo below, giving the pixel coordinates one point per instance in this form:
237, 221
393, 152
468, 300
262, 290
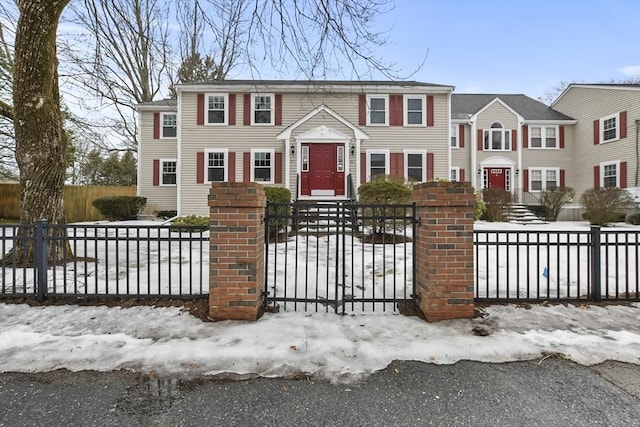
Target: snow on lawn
169, 342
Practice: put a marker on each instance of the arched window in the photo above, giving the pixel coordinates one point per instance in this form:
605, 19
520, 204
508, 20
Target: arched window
497, 138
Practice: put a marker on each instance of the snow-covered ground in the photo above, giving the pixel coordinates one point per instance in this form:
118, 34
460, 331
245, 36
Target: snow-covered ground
170, 342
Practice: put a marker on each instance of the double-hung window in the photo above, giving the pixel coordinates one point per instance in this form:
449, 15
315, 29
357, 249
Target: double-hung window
609, 173
262, 109
415, 112
454, 136
455, 174
217, 112
610, 128
543, 137
415, 169
169, 172
216, 163
497, 138
378, 111
377, 163
262, 162
169, 125
543, 179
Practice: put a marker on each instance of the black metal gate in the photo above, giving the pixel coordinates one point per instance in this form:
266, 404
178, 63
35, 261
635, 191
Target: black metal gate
339, 256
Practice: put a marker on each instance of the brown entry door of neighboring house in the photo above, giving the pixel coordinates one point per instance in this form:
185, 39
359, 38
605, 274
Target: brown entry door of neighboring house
497, 177
323, 171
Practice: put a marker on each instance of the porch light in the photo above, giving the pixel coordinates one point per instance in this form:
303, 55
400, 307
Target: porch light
353, 150
479, 170
293, 149
517, 172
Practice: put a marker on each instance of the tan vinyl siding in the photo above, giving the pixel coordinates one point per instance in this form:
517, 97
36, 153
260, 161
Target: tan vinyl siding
241, 138
461, 157
497, 112
586, 104
158, 197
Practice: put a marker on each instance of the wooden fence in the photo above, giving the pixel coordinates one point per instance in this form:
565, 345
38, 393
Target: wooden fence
77, 199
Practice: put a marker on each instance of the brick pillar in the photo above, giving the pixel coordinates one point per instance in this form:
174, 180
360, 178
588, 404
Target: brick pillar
236, 250
444, 249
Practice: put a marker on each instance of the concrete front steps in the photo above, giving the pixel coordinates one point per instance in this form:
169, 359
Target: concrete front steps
519, 214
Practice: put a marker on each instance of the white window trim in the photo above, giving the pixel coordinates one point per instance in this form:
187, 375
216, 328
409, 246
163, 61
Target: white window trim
457, 171
543, 133
601, 128
505, 131
424, 163
455, 133
304, 152
225, 151
272, 166
602, 165
206, 109
162, 162
386, 110
162, 115
423, 98
253, 109
387, 164
543, 172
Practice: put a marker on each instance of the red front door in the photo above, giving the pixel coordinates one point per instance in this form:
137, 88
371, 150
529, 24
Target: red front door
497, 177
323, 167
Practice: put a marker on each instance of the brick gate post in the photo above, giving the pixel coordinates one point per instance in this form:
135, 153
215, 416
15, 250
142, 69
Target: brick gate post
236, 250
444, 249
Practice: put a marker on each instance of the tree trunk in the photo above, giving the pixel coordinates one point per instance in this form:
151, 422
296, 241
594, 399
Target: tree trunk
40, 138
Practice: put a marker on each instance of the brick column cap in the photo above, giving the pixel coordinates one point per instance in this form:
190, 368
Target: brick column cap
239, 194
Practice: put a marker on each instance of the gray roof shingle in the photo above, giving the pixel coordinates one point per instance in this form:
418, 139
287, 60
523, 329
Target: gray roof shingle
464, 105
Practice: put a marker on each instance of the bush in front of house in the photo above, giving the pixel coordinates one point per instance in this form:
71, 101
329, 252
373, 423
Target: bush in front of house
479, 207
120, 208
634, 219
386, 190
278, 215
190, 223
497, 201
604, 205
166, 214
553, 199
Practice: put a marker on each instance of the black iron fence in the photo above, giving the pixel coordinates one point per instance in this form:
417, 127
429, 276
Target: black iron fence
541, 265
104, 260
343, 256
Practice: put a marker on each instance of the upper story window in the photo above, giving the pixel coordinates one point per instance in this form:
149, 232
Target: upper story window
378, 111
216, 165
415, 110
497, 138
454, 136
543, 137
610, 129
169, 125
262, 165
217, 111
169, 172
262, 109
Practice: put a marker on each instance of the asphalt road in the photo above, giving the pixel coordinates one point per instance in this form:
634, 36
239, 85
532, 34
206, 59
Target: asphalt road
550, 392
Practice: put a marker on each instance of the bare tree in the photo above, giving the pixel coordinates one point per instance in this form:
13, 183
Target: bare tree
37, 119
8, 167
129, 60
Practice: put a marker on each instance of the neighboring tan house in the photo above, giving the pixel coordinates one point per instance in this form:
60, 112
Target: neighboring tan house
511, 142
318, 139
605, 137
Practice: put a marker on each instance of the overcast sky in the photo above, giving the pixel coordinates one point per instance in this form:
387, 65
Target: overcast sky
516, 46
